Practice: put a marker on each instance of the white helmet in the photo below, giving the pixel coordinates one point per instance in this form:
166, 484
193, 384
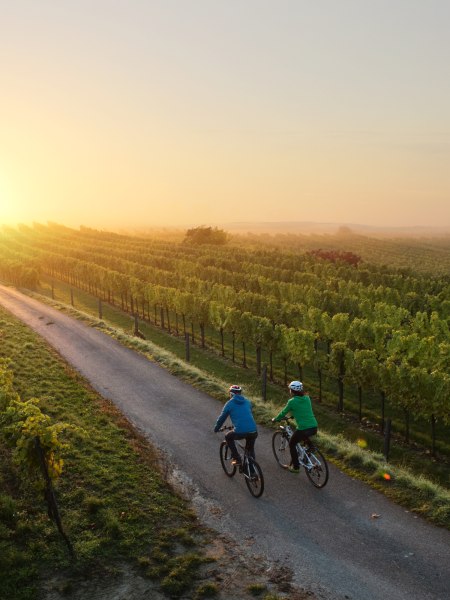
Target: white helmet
235, 389
296, 386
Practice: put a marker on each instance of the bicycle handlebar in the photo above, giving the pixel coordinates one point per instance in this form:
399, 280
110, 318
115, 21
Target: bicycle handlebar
226, 428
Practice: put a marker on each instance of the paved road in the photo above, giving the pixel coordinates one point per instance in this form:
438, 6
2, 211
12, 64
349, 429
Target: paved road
326, 536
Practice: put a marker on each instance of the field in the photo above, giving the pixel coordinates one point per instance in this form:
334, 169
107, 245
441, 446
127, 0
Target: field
324, 313
422, 254
333, 320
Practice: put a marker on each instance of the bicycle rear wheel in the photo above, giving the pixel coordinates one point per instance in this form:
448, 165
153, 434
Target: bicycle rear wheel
254, 478
318, 473
225, 459
280, 447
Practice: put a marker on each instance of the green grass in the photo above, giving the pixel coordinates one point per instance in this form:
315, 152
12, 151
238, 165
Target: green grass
213, 374
114, 502
256, 589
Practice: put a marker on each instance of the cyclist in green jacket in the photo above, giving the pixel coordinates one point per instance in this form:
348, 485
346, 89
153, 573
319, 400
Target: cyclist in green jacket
299, 406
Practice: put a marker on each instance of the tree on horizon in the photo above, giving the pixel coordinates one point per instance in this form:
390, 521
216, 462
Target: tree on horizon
206, 235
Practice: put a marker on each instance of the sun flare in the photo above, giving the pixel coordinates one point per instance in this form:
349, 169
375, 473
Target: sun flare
8, 208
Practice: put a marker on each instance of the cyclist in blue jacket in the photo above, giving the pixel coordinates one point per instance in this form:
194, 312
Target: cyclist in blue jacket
239, 409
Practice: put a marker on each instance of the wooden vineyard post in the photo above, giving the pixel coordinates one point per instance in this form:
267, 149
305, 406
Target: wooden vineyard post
383, 404
433, 435
49, 493
188, 349
387, 439
264, 382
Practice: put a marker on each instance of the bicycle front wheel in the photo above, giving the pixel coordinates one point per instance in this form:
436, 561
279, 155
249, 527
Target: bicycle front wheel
317, 473
254, 478
225, 459
280, 447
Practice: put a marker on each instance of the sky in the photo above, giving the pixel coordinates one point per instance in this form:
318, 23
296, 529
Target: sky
142, 113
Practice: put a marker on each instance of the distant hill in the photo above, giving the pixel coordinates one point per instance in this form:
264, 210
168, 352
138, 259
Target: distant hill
332, 228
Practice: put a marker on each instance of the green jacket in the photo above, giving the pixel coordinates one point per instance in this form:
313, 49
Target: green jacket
301, 409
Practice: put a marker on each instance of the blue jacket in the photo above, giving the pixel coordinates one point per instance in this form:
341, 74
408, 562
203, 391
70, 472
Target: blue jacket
239, 409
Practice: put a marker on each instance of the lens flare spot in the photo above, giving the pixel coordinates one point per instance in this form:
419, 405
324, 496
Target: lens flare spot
386, 476
361, 443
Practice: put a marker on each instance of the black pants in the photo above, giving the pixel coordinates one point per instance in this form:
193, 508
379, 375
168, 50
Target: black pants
298, 436
250, 438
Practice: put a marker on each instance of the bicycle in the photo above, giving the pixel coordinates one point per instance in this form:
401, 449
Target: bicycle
309, 456
249, 468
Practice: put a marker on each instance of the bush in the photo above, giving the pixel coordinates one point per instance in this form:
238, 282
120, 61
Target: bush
206, 235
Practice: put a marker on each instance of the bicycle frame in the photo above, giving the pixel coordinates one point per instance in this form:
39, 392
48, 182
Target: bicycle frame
245, 463
249, 468
303, 457
310, 457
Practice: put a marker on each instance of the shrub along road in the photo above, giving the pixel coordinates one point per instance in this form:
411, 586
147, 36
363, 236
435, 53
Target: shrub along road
329, 538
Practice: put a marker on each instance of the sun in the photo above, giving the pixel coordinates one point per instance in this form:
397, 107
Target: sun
8, 207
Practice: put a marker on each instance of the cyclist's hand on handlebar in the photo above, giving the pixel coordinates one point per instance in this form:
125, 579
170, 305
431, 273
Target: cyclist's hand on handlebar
226, 428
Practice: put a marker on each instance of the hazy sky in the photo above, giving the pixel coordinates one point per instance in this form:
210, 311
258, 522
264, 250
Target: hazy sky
152, 112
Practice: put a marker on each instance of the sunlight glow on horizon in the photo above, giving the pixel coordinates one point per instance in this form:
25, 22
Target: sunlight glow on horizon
171, 115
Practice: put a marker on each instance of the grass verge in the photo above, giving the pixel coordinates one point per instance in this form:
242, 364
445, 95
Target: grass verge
115, 504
